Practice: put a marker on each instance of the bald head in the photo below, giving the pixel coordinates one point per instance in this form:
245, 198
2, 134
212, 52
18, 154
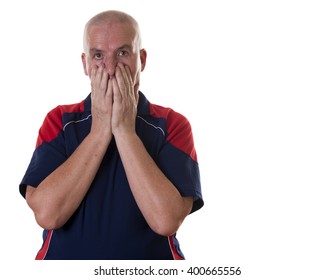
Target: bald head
109, 18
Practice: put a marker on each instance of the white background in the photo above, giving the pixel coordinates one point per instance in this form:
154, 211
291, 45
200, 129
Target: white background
256, 81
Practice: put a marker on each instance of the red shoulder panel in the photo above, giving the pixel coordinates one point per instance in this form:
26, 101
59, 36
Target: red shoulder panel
179, 131
52, 124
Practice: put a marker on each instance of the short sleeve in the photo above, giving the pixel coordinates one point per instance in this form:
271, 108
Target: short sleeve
49, 152
178, 159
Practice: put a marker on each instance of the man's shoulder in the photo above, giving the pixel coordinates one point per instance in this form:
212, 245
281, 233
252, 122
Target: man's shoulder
56, 114
167, 113
157, 111
54, 120
178, 129
68, 108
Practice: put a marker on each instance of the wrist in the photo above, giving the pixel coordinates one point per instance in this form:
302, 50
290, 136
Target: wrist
124, 136
100, 136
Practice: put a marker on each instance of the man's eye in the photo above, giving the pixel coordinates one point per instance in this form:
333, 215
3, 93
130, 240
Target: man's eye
122, 53
98, 56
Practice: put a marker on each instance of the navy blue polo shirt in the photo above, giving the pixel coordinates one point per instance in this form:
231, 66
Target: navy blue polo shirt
108, 223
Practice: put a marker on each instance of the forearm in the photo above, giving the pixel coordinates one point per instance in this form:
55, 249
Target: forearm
158, 199
59, 195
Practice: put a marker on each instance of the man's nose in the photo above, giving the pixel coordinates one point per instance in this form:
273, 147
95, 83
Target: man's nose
110, 65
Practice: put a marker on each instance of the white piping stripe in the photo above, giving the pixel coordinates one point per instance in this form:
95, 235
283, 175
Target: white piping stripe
156, 127
76, 121
85, 119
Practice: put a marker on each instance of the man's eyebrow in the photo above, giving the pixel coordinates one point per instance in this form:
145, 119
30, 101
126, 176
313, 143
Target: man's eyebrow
125, 46
95, 50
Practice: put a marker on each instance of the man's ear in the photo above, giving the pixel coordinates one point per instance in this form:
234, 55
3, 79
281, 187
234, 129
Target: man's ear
143, 57
83, 60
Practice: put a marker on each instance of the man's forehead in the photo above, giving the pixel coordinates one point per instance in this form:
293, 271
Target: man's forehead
115, 36
114, 31
117, 27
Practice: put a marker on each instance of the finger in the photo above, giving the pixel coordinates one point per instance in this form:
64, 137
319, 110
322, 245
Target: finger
121, 86
122, 71
116, 91
126, 79
104, 80
95, 79
128, 72
129, 77
133, 88
93, 74
109, 92
137, 96
99, 74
